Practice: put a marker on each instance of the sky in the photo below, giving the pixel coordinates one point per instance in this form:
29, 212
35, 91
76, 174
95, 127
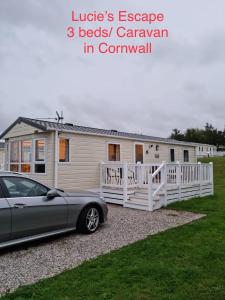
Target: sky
179, 85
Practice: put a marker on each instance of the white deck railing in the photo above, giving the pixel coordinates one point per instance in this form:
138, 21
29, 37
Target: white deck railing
154, 177
134, 175
137, 175
188, 174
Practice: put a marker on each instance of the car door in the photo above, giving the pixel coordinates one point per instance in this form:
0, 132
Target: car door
5, 218
32, 212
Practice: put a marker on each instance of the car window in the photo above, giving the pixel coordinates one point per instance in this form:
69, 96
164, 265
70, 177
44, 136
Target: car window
1, 193
22, 187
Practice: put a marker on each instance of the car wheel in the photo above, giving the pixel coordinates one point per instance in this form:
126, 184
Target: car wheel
89, 220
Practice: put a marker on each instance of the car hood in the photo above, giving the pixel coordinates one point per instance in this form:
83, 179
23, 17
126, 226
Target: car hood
83, 194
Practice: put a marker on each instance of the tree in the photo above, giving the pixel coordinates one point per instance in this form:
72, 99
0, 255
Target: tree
177, 135
208, 135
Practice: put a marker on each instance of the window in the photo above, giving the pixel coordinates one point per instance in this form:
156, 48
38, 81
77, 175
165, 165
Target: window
172, 155
40, 150
1, 194
157, 148
14, 156
186, 156
39, 165
22, 187
26, 156
113, 152
24, 159
64, 151
39, 168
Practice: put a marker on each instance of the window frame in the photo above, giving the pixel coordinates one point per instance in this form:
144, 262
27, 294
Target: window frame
69, 160
21, 163
113, 143
34, 156
33, 162
9, 157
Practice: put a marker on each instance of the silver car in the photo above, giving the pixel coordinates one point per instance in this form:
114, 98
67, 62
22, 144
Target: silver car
30, 210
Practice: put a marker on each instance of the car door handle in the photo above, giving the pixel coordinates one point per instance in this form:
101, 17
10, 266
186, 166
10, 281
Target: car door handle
19, 205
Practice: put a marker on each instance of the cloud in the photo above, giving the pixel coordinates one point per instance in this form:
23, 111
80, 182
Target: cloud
181, 85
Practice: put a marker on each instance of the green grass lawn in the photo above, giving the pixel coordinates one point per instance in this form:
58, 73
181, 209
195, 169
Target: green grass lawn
182, 263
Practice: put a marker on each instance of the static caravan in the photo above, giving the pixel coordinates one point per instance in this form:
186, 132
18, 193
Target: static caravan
73, 157
205, 150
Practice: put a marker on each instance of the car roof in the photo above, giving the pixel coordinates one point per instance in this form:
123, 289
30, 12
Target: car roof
10, 173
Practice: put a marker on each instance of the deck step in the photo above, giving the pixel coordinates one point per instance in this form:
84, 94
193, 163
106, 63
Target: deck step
117, 191
140, 195
138, 201
141, 204
142, 190
136, 205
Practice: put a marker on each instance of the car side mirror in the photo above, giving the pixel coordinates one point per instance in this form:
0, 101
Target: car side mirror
52, 194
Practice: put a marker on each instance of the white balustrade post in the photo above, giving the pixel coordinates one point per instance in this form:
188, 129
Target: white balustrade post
164, 178
139, 174
179, 181
125, 182
101, 178
150, 193
211, 177
164, 172
200, 178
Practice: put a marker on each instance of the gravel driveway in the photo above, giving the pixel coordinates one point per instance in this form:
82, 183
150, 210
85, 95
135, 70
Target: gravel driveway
30, 263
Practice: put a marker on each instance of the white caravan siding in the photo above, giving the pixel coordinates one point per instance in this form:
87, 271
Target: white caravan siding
163, 154
20, 130
87, 151
2, 158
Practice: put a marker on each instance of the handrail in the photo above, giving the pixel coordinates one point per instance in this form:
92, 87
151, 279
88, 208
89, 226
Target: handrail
158, 170
152, 194
158, 189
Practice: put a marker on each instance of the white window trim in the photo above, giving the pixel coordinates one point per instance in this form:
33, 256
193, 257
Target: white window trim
69, 161
20, 156
107, 151
34, 162
134, 152
19, 161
